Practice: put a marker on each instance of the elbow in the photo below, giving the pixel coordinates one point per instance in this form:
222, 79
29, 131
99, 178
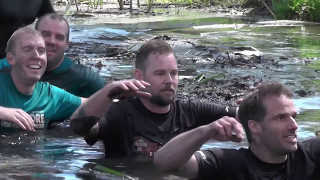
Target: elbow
162, 164
82, 126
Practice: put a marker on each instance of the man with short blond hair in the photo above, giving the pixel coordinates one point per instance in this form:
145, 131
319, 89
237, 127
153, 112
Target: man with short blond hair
61, 71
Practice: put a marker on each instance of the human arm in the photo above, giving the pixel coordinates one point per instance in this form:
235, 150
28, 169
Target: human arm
97, 105
177, 155
18, 117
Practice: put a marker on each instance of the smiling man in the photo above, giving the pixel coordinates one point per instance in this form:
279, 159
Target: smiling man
268, 117
138, 127
61, 71
25, 102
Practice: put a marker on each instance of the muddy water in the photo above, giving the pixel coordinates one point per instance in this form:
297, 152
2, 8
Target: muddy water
59, 154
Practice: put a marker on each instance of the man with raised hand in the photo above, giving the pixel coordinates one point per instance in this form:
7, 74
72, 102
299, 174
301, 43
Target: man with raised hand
140, 126
268, 116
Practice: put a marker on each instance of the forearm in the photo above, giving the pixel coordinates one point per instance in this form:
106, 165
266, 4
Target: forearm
175, 155
95, 106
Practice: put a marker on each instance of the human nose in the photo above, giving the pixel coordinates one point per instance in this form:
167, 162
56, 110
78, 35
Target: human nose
169, 79
293, 123
50, 39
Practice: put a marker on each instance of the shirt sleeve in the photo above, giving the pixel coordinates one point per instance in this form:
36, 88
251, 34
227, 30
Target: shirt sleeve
209, 112
65, 103
207, 162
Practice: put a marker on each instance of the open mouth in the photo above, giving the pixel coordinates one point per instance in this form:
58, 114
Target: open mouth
36, 67
291, 138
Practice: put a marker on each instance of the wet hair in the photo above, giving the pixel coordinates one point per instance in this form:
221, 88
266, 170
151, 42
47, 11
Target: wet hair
151, 47
11, 44
54, 16
252, 108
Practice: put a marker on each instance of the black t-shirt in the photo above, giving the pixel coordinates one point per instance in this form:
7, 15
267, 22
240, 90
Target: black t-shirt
18, 13
128, 128
242, 164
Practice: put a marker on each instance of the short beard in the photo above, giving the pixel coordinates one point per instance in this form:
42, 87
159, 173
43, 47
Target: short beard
160, 101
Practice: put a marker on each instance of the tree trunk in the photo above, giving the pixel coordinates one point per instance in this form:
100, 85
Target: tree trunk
120, 4
130, 6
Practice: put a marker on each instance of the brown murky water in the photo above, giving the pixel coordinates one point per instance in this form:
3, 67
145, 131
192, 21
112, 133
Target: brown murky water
198, 42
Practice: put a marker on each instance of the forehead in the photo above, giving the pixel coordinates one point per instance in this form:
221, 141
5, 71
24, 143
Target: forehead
47, 23
28, 39
163, 60
278, 105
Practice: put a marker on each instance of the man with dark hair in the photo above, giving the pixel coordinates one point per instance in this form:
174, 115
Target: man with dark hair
61, 71
142, 125
268, 117
16, 13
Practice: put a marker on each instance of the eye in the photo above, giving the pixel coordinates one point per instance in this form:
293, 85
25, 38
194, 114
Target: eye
60, 37
27, 49
45, 34
281, 117
174, 73
41, 51
159, 73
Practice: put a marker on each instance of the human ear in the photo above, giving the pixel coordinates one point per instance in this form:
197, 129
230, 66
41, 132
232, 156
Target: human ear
138, 74
10, 58
254, 127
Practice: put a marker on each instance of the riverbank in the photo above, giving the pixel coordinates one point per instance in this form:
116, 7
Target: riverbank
111, 37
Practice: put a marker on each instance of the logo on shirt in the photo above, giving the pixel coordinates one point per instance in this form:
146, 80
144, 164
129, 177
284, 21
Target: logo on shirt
143, 145
37, 117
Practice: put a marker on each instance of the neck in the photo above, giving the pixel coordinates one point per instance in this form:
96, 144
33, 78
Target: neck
52, 65
23, 87
155, 108
265, 155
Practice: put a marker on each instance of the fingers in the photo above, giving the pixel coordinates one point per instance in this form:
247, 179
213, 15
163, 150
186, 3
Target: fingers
128, 88
227, 129
24, 120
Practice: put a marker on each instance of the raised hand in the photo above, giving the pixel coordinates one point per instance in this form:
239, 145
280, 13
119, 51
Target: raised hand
128, 88
226, 129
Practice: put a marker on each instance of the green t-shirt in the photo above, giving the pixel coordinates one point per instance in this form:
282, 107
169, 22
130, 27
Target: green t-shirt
4, 65
77, 79
48, 103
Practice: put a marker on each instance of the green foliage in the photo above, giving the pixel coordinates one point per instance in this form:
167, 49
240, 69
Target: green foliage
281, 8
205, 2
302, 9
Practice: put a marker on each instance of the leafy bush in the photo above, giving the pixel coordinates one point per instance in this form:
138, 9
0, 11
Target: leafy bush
301, 9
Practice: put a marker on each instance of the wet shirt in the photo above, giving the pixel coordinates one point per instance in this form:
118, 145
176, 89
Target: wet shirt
242, 164
77, 79
129, 129
18, 13
47, 103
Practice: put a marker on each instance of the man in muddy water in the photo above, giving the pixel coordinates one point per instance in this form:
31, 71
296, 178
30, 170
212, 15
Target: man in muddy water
16, 13
61, 71
29, 104
268, 117
40, 103
142, 125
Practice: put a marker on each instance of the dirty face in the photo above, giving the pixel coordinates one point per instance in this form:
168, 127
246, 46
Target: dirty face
278, 130
54, 33
29, 60
162, 73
